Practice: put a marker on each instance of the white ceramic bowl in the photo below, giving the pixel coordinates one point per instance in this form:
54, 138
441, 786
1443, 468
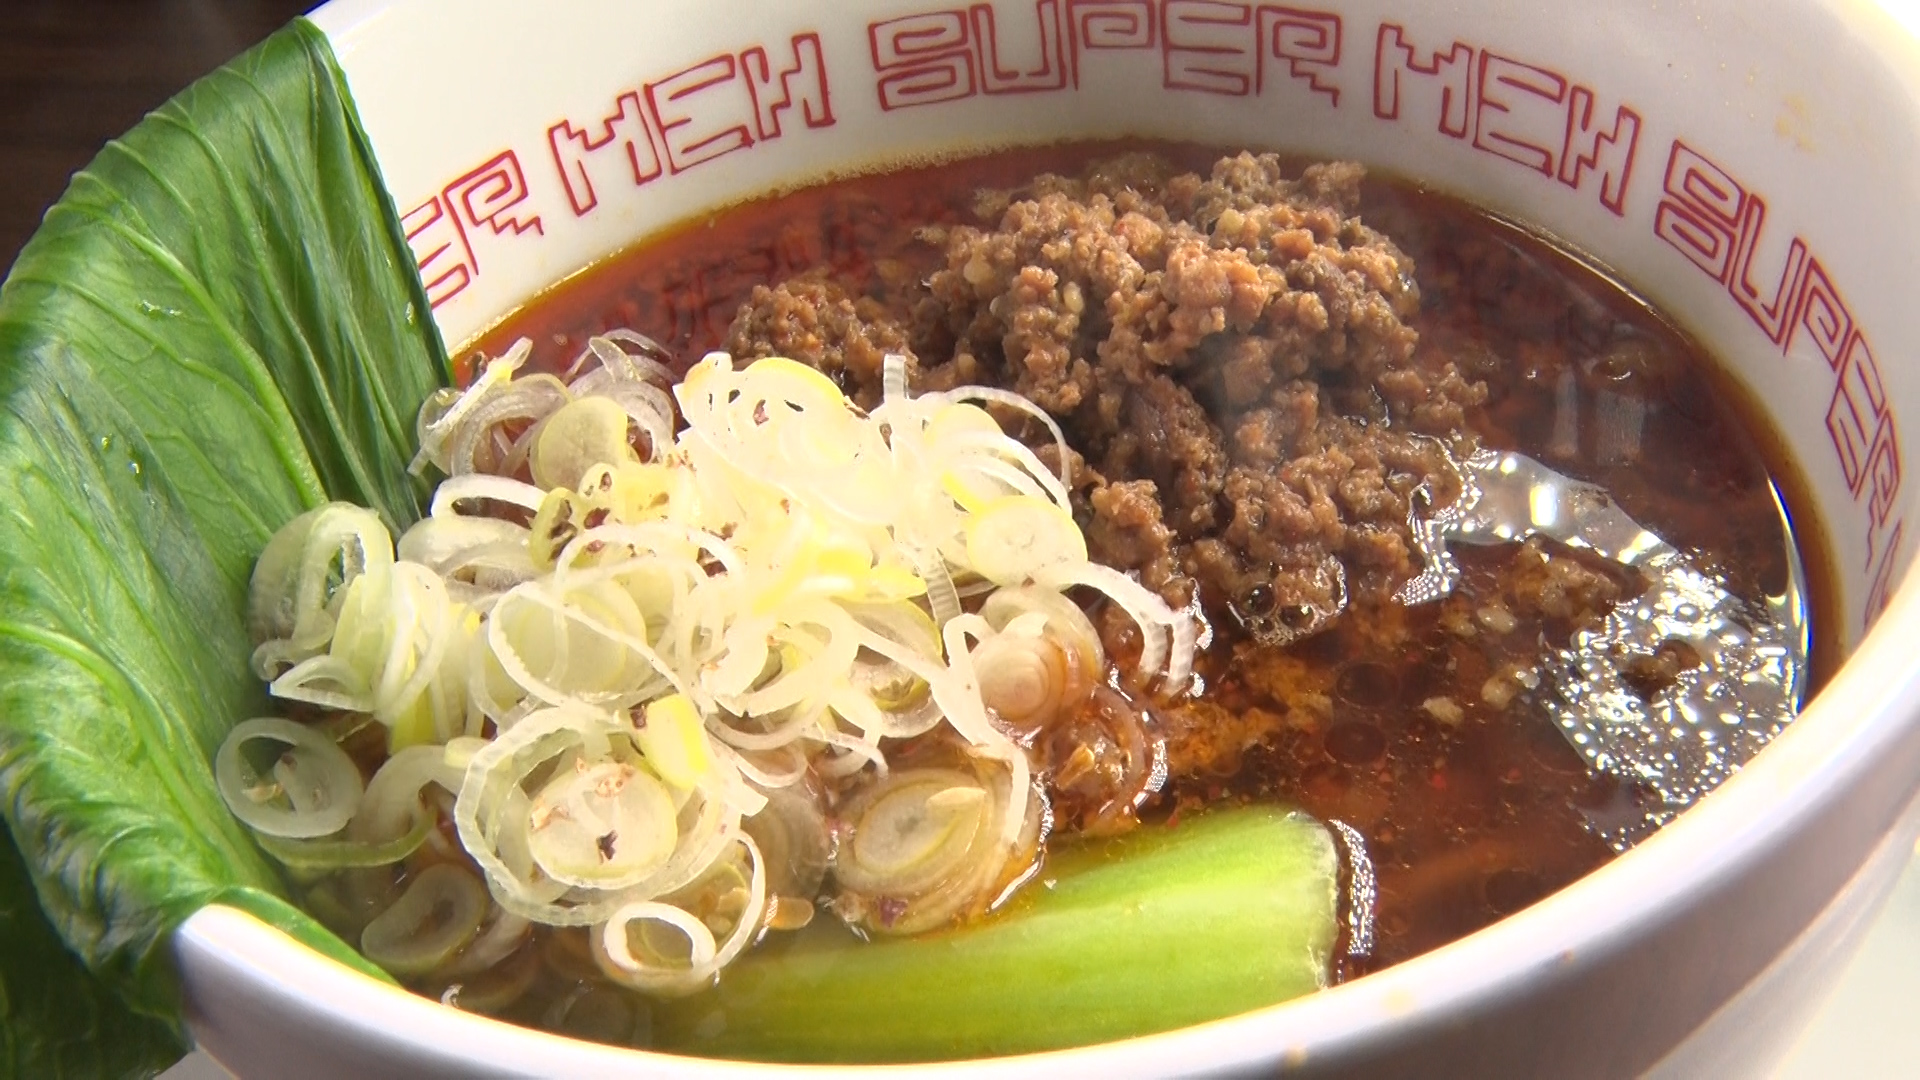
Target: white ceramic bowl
1752, 165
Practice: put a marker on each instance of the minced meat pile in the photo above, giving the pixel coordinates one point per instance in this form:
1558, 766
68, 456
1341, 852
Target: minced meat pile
1230, 353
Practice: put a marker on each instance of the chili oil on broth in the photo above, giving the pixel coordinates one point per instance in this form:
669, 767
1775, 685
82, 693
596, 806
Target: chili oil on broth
1411, 729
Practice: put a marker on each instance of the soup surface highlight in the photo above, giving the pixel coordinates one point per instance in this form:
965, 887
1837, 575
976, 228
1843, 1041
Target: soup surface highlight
1489, 577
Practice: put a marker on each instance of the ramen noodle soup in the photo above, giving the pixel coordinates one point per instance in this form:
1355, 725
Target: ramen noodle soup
852, 624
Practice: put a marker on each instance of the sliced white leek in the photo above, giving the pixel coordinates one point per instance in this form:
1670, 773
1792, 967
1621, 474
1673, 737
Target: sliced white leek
309, 787
611, 667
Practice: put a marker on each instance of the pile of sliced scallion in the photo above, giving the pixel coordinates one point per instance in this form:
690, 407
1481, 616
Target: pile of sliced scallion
655, 671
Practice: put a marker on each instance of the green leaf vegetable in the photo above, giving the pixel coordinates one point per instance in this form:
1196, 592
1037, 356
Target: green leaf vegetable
1230, 911
56, 1019
216, 328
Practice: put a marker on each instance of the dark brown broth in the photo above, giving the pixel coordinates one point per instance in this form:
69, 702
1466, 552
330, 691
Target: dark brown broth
1465, 817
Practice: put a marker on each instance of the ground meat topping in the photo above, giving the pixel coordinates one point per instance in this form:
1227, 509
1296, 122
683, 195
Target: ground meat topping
1229, 352
812, 319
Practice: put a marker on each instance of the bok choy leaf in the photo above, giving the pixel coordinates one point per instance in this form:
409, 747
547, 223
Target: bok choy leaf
1233, 910
56, 1019
217, 327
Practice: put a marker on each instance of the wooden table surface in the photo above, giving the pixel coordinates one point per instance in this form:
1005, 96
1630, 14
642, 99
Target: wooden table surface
75, 73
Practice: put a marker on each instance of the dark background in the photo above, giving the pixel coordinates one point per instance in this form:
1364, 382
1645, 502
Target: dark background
75, 73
